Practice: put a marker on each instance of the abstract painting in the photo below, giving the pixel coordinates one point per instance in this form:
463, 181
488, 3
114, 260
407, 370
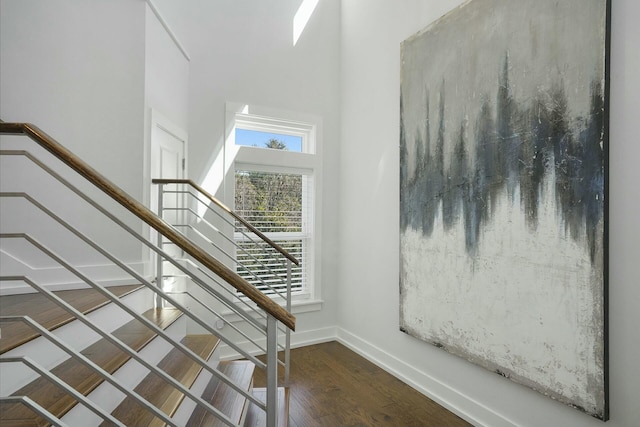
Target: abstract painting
503, 192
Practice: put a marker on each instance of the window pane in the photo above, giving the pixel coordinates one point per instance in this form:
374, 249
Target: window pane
266, 268
271, 202
254, 138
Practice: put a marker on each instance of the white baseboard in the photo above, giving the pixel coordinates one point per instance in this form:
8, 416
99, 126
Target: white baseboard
315, 336
451, 399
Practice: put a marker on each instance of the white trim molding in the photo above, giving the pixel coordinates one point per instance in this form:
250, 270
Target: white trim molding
171, 34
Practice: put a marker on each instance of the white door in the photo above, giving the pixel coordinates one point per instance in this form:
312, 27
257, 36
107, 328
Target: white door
168, 161
168, 157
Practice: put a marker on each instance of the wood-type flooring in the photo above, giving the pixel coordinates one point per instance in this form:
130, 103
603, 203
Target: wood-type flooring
47, 313
332, 386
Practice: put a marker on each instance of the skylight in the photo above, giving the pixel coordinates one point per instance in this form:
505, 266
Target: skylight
302, 17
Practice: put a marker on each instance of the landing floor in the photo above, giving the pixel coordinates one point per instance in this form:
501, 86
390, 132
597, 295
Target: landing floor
333, 386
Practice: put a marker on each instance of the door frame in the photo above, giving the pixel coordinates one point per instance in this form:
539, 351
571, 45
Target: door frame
159, 122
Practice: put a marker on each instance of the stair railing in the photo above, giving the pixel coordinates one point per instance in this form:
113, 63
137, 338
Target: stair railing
211, 275
193, 211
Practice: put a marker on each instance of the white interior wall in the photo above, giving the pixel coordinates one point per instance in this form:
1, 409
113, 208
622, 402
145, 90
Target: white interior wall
166, 72
166, 89
243, 52
65, 69
166, 85
368, 283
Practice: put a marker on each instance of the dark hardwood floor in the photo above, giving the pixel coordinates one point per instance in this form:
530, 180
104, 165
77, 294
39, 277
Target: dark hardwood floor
333, 386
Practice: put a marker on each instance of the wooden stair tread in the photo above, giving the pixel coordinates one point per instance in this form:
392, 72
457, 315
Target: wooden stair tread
160, 393
223, 397
83, 379
256, 417
47, 313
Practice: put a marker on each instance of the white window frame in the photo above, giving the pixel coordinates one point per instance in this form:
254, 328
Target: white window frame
308, 162
305, 131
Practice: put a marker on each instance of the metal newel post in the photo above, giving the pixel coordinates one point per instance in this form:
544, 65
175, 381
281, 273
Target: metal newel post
272, 371
159, 281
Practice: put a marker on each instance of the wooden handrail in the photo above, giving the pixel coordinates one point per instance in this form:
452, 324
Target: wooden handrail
157, 223
234, 214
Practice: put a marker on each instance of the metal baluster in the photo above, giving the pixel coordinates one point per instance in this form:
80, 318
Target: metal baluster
159, 279
287, 347
272, 371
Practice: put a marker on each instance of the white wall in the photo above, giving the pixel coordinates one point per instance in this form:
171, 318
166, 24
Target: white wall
166, 71
66, 70
369, 176
243, 52
76, 70
166, 85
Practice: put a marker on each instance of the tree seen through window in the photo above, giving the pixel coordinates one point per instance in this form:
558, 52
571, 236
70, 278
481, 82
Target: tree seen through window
271, 202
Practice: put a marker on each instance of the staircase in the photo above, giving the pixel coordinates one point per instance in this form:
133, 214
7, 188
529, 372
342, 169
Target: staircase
144, 353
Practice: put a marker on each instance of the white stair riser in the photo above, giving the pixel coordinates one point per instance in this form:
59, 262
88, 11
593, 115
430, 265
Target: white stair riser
187, 406
75, 334
108, 397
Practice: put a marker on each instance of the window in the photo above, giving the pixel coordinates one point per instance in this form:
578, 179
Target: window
253, 128
277, 204
275, 141
275, 176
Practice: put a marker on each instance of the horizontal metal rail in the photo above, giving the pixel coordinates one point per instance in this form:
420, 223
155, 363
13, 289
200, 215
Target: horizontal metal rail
246, 314
227, 302
267, 279
221, 317
207, 266
115, 300
57, 381
231, 212
35, 407
148, 217
230, 324
273, 285
266, 283
106, 254
258, 279
87, 362
122, 346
